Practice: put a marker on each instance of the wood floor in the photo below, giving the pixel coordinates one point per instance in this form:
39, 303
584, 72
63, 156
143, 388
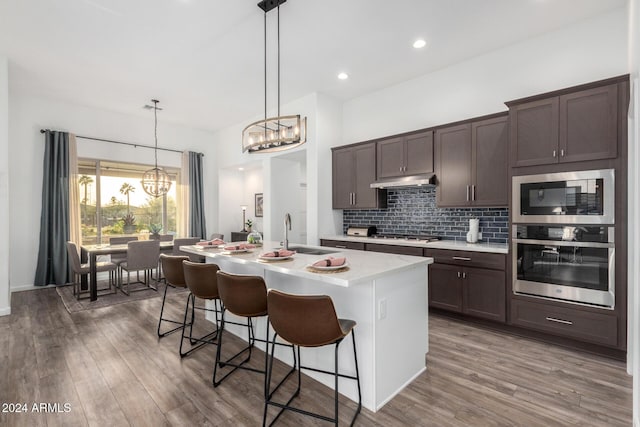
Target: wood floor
109, 367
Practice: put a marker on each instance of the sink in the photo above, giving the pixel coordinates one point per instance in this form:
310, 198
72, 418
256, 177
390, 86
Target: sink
311, 251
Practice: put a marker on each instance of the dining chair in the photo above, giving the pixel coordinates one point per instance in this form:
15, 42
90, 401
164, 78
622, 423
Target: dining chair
117, 259
166, 237
142, 255
80, 269
186, 241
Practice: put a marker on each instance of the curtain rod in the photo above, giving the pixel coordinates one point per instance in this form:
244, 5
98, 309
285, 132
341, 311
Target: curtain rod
123, 143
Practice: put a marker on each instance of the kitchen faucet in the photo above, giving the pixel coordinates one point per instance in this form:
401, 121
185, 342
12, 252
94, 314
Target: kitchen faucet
287, 223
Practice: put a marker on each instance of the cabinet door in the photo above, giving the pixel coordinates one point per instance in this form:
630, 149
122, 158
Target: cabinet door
390, 157
419, 153
589, 124
489, 162
484, 293
534, 133
453, 165
445, 287
364, 158
343, 176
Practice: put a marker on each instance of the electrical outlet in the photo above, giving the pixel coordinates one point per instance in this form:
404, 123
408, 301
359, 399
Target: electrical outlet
382, 309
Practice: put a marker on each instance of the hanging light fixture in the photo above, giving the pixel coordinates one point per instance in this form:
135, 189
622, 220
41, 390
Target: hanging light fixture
280, 132
156, 181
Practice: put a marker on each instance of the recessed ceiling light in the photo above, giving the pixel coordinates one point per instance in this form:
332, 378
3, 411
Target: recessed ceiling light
419, 44
343, 76
240, 169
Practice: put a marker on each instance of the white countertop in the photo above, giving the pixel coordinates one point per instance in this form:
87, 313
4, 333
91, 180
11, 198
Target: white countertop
363, 266
500, 248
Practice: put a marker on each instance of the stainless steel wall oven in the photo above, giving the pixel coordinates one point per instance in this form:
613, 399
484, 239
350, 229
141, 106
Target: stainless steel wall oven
563, 236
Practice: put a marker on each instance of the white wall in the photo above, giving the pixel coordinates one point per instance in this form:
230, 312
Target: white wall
5, 297
588, 51
238, 188
28, 114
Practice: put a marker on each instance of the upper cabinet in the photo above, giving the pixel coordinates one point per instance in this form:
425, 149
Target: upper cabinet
572, 127
354, 169
471, 163
405, 155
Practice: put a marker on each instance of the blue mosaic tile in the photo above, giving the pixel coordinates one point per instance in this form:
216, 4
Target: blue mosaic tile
413, 211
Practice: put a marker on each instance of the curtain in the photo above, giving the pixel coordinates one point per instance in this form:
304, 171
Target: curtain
54, 218
197, 226
182, 195
75, 223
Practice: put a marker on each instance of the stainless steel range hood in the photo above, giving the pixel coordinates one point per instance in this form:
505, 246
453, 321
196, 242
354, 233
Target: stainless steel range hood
427, 180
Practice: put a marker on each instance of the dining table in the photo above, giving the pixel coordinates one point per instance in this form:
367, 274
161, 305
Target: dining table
90, 253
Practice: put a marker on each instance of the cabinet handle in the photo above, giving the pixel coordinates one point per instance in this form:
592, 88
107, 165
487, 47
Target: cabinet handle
340, 246
464, 275
458, 274
467, 193
404, 168
564, 322
554, 153
562, 152
354, 198
473, 192
461, 258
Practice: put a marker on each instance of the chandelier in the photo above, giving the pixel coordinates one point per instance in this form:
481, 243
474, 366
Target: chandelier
156, 182
280, 132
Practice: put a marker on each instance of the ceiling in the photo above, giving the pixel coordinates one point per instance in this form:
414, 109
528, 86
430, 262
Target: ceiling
204, 59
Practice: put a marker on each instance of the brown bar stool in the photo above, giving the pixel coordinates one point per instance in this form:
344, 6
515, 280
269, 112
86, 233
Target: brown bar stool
308, 321
245, 296
174, 277
202, 282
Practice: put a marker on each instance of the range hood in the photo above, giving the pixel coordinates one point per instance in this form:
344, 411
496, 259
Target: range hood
406, 181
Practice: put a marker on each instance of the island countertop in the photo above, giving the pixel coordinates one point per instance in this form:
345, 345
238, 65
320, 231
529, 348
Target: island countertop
363, 266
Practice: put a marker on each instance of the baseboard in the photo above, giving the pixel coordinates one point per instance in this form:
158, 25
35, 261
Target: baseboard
29, 288
5, 311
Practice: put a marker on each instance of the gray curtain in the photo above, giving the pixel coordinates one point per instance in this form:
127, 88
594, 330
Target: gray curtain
197, 226
54, 219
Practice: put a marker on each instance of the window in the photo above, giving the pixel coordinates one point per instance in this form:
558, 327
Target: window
113, 203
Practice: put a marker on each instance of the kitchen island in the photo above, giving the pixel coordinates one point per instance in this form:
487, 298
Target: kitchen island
385, 294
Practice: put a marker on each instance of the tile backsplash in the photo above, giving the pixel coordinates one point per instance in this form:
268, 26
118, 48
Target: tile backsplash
413, 211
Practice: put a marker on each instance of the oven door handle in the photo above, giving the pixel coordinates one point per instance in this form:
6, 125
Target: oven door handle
568, 243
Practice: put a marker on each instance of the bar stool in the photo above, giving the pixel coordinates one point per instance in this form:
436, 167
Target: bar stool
174, 277
202, 282
245, 296
308, 321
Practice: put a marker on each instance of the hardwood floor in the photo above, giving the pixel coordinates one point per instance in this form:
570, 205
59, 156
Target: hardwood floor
109, 367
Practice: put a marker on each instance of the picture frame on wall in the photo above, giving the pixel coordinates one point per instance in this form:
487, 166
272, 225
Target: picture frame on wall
258, 204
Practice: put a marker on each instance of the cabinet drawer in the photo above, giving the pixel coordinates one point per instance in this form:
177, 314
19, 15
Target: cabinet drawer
470, 259
342, 244
392, 249
599, 328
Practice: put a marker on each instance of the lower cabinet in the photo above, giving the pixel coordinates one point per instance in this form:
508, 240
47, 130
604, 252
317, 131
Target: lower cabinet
577, 323
474, 291
341, 244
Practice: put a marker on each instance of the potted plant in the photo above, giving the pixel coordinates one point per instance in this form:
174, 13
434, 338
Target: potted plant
249, 223
155, 230
129, 224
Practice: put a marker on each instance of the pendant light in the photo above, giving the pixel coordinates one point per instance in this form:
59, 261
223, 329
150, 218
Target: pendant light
280, 132
155, 182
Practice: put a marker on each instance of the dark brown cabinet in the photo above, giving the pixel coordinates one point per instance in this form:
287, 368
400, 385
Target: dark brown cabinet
342, 244
573, 127
405, 155
471, 163
354, 169
470, 283
393, 249
576, 323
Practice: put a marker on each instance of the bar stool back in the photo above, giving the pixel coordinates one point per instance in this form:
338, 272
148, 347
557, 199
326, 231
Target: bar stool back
308, 321
174, 277
202, 282
245, 296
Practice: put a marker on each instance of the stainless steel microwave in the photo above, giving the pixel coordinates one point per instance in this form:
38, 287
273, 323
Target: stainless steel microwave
583, 197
